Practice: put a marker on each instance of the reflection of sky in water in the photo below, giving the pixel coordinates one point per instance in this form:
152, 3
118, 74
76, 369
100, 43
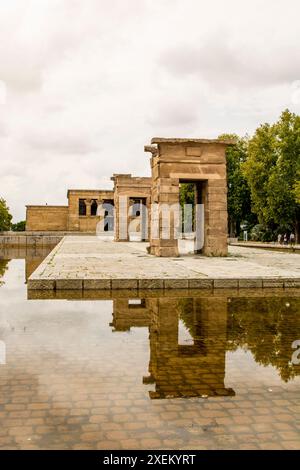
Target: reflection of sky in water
184, 336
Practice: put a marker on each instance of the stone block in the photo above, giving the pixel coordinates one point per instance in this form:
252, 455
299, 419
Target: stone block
292, 282
66, 284
151, 284
225, 283
250, 283
273, 283
166, 251
176, 283
124, 284
200, 283
169, 198
41, 284
194, 151
169, 243
96, 284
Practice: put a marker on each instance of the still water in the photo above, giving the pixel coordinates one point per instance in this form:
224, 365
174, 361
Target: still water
172, 370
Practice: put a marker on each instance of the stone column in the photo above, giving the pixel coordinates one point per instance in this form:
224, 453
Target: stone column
100, 203
100, 214
73, 211
88, 203
121, 222
164, 223
216, 218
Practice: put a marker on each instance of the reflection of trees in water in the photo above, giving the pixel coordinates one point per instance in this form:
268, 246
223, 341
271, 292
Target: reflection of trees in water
3, 268
265, 326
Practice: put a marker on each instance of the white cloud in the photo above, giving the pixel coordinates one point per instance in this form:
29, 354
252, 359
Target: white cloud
89, 83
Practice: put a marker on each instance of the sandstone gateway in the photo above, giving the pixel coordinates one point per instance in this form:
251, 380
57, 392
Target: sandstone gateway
136, 205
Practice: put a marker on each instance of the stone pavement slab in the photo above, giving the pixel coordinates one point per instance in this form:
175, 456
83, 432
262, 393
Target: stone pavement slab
93, 263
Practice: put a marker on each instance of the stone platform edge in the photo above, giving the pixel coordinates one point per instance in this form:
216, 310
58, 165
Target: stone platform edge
136, 284
40, 239
103, 294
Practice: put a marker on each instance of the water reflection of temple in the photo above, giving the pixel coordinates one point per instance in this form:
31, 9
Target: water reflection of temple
195, 364
130, 313
189, 337
190, 332
187, 343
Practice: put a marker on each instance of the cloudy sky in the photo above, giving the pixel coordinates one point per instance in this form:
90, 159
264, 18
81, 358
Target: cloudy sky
85, 84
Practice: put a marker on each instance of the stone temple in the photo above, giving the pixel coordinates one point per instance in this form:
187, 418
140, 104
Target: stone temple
135, 207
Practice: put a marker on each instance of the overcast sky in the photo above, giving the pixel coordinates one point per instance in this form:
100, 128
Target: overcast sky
85, 84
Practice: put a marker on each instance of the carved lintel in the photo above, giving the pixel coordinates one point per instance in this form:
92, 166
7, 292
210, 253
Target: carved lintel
152, 149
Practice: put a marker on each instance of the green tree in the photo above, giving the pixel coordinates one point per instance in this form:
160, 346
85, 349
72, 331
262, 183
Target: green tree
297, 183
19, 226
187, 193
187, 196
5, 216
238, 195
297, 190
271, 172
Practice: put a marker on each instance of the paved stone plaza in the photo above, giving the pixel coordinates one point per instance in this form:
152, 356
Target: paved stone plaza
93, 263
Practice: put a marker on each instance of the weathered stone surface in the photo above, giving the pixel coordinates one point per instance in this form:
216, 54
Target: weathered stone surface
176, 283
186, 141
273, 283
66, 284
67, 218
89, 262
124, 284
199, 160
97, 284
292, 283
225, 283
250, 283
151, 283
41, 284
47, 218
200, 283
133, 189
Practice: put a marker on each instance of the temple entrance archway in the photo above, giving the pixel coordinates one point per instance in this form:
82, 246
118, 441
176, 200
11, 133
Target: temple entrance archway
182, 160
192, 194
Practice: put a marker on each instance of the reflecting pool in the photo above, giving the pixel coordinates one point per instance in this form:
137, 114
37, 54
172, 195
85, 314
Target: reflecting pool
151, 370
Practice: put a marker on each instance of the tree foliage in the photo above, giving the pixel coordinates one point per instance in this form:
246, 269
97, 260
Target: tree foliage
272, 172
5, 216
263, 180
187, 193
268, 334
19, 226
238, 195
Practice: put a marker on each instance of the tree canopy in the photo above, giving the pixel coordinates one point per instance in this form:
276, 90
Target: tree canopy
272, 172
5, 216
238, 195
19, 226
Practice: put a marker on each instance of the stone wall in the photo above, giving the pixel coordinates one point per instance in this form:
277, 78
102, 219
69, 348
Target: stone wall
46, 218
127, 188
29, 239
87, 222
130, 313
